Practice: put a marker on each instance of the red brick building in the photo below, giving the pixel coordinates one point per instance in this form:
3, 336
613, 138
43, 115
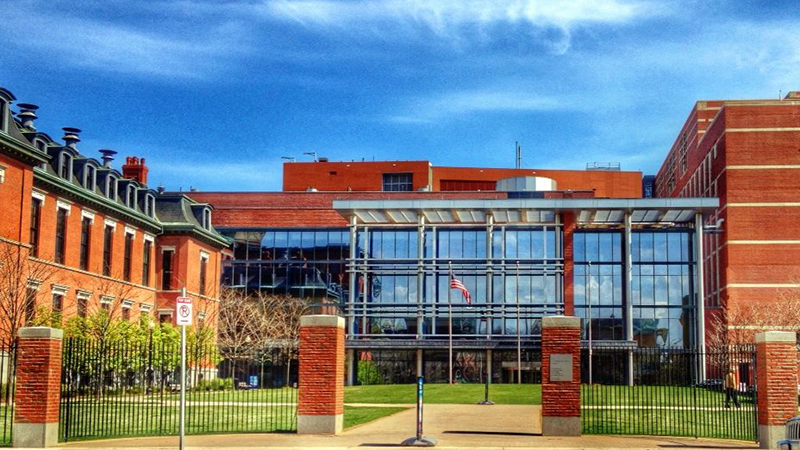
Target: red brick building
78, 234
747, 154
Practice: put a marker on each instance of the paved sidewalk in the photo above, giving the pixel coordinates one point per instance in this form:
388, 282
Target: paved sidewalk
454, 426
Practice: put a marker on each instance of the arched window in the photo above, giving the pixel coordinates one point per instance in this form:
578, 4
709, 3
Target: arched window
65, 170
111, 189
3, 114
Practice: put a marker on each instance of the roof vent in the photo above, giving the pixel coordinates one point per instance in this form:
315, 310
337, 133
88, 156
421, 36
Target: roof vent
323, 159
108, 156
605, 166
311, 189
27, 115
71, 136
161, 189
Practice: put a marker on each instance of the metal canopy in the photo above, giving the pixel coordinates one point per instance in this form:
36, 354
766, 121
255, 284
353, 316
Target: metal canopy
522, 211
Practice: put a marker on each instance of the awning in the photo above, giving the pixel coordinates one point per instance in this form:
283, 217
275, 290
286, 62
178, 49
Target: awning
526, 211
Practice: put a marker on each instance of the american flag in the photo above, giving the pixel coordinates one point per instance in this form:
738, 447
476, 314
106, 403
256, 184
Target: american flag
455, 283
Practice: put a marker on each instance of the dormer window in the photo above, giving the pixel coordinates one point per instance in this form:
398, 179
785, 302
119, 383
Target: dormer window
89, 175
66, 163
149, 205
207, 218
41, 145
3, 114
111, 189
130, 200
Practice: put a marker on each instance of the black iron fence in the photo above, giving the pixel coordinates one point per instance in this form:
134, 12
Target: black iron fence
8, 360
670, 392
132, 389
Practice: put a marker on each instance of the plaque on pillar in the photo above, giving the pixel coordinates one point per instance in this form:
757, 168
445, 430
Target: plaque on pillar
561, 367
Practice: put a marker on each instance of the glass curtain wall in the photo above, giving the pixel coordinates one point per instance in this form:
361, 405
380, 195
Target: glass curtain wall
302, 263
662, 285
403, 283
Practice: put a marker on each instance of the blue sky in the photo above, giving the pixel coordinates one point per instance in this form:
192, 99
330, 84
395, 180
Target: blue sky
213, 93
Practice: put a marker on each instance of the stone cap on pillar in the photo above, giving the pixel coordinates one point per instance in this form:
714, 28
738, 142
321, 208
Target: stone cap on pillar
40, 333
561, 322
776, 336
322, 320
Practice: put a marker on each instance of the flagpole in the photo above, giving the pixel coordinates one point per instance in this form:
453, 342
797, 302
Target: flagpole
450, 322
519, 335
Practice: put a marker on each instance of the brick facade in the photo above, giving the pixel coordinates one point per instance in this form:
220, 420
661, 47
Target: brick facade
320, 402
561, 400
776, 378
38, 387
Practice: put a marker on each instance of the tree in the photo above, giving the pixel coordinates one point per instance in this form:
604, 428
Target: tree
18, 273
238, 326
282, 326
738, 324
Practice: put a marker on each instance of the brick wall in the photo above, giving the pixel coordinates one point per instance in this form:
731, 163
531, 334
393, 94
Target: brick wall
562, 398
321, 390
38, 381
776, 364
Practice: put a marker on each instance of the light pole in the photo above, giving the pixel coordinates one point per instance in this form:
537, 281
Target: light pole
589, 303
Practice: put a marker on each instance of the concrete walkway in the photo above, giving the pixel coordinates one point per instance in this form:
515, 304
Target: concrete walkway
454, 426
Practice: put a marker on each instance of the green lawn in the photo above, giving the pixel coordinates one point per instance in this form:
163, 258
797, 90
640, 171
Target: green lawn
6, 420
356, 415
508, 394
655, 396
723, 424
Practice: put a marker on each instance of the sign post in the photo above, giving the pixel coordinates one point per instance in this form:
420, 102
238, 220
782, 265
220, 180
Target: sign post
183, 306
419, 440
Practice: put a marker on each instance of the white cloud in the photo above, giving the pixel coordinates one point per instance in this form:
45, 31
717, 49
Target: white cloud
456, 19
462, 104
104, 45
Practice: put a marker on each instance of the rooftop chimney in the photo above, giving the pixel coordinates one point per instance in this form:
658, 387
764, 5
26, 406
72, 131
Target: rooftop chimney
27, 115
71, 136
108, 156
135, 169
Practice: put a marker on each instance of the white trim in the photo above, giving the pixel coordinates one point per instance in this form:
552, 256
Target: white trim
204, 255
63, 204
764, 204
750, 130
83, 295
145, 307
85, 213
34, 284
127, 304
130, 230
763, 242
39, 195
167, 248
59, 289
2, 174
106, 299
111, 223
165, 311
762, 166
762, 285
149, 238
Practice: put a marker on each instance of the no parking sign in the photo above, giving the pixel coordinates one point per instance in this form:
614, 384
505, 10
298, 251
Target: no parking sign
184, 307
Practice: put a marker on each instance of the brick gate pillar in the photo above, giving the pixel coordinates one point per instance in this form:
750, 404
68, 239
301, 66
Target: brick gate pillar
776, 383
561, 376
38, 387
320, 403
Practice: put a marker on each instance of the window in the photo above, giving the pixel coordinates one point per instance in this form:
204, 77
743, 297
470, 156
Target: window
207, 219
126, 313
146, 262
126, 268
683, 153
86, 230
3, 109
2, 174
203, 266
397, 182
149, 205
88, 183
65, 166
30, 305
108, 240
61, 235
131, 197
58, 302
83, 305
164, 317
36, 214
166, 269
111, 190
